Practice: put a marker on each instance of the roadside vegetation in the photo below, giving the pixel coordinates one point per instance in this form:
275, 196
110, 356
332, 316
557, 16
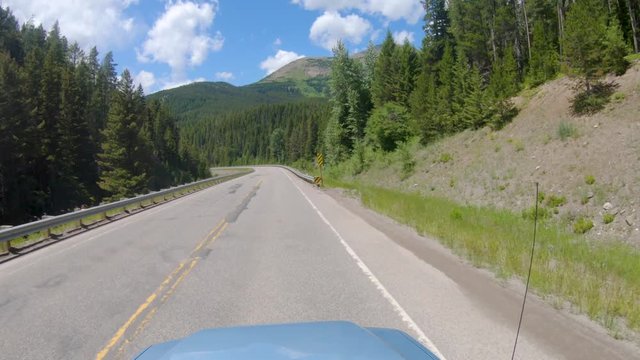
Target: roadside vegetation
599, 279
387, 110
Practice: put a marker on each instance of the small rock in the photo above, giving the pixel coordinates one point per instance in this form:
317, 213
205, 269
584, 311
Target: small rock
628, 220
607, 206
615, 211
590, 195
622, 211
596, 125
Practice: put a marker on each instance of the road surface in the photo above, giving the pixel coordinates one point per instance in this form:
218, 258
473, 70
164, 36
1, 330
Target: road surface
268, 248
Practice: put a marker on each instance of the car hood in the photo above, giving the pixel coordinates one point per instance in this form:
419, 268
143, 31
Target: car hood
309, 341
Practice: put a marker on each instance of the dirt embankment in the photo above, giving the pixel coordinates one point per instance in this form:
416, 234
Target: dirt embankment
593, 162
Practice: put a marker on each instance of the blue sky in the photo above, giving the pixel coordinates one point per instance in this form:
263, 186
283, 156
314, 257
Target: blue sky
166, 43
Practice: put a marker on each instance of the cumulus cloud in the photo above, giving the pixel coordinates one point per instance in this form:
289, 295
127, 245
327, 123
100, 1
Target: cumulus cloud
280, 59
90, 23
409, 10
180, 37
400, 36
224, 75
146, 79
331, 27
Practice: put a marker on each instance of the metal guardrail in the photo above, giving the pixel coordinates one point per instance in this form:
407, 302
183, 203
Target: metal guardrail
303, 176
46, 224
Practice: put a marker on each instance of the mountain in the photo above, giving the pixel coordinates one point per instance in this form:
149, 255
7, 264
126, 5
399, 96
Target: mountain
303, 78
201, 99
309, 75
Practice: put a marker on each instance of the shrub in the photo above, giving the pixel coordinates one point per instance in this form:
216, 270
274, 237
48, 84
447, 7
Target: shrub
618, 97
582, 225
593, 100
541, 196
407, 160
567, 130
530, 213
388, 126
589, 179
445, 158
555, 201
452, 183
608, 218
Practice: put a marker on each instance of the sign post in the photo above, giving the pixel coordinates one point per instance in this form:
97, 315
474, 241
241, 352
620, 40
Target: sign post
318, 180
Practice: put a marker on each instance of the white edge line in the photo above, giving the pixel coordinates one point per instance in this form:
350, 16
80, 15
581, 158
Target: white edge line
365, 269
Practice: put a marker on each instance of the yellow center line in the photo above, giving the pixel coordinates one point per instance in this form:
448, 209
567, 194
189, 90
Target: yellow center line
123, 329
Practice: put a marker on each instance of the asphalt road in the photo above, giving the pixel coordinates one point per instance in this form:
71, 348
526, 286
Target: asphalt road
268, 248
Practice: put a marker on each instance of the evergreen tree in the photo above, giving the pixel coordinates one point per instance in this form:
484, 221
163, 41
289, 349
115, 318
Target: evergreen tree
385, 85
437, 30
351, 104
407, 59
544, 57
586, 41
276, 145
122, 173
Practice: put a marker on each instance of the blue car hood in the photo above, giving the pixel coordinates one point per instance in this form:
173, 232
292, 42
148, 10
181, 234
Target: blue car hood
309, 341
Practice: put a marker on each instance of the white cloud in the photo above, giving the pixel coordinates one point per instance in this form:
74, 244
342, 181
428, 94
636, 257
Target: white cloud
410, 10
277, 42
331, 27
224, 75
146, 79
180, 37
174, 84
91, 23
280, 59
400, 36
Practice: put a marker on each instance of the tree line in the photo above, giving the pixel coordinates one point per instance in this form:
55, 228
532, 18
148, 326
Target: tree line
73, 133
475, 55
282, 133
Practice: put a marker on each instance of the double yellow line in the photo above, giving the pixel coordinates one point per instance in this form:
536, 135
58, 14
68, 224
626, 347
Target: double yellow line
160, 295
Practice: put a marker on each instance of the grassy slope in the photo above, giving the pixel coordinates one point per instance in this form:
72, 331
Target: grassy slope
468, 191
499, 169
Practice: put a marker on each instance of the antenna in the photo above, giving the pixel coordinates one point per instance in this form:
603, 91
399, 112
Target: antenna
526, 289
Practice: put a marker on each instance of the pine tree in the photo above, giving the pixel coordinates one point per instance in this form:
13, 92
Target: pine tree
583, 42
437, 30
385, 85
14, 182
122, 174
407, 59
544, 57
351, 104
616, 49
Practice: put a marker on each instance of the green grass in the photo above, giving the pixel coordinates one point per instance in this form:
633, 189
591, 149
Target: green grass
600, 279
567, 130
589, 179
582, 225
445, 158
556, 201
608, 218
632, 57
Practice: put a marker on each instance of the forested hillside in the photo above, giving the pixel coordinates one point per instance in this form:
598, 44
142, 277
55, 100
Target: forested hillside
475, 56
73, 133
276, 133
203, 99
